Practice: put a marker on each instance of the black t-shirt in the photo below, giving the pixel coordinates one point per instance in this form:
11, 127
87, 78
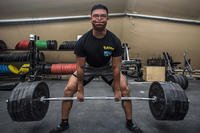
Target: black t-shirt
98, 52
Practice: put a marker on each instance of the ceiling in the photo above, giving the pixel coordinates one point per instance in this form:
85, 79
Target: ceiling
10, 9
46, 8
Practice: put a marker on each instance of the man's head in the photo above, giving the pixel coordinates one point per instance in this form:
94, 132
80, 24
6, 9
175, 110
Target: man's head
99, 6
99, 17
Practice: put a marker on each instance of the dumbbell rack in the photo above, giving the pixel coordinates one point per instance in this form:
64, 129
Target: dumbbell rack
33, 73
130, 66
34, 70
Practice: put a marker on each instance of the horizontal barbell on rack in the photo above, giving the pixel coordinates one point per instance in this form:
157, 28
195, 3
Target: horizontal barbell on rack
29, 101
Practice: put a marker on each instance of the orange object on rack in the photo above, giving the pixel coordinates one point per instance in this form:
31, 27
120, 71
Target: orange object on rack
63, 69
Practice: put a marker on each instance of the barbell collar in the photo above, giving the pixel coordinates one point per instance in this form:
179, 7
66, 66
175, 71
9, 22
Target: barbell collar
154, 99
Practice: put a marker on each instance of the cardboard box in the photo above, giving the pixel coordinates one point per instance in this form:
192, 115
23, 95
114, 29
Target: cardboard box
154, 73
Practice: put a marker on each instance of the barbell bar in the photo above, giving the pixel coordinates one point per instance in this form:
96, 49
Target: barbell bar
97, 98
29, 101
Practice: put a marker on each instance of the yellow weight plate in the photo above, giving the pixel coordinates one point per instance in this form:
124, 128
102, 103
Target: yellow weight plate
13, 69
24, 68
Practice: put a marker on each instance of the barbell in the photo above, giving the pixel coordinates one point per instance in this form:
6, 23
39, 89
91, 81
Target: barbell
29, 101
95, 98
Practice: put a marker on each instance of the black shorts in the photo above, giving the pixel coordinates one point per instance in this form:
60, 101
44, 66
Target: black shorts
106, 73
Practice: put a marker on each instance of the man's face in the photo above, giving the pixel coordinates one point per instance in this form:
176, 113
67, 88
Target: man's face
99, 19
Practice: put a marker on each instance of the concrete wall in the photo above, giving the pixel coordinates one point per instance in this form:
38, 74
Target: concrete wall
61, 31
169, 8
149, 38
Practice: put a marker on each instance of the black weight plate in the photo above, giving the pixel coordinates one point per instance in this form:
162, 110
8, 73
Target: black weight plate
67, 45
171, 101
175, 79
3, 45
38, 108
41, 112
177, 101
185, 82
28, 104
182, 112
180, 81
22, 104
184, 104
47, 69
172, 107
159, 108
15, 108
171, 78
52, 44
19, 104
170, 104
11, 104
14, 103
23, 111
41, 57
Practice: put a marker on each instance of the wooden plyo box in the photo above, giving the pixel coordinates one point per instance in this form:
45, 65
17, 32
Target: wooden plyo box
154, 73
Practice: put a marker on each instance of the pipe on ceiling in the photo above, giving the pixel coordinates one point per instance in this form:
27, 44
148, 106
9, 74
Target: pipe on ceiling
64, 18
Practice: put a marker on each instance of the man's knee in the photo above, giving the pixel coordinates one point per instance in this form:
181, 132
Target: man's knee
69, 90
125, 91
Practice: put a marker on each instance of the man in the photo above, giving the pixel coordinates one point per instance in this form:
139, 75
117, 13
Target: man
95, 51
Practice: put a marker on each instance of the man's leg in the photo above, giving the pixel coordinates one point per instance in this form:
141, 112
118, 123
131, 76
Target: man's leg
127, 105
69, 91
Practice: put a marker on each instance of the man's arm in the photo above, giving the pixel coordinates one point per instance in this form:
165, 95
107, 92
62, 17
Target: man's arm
116, 63
80, 74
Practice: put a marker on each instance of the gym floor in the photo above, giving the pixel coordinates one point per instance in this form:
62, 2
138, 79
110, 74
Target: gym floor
104, 116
